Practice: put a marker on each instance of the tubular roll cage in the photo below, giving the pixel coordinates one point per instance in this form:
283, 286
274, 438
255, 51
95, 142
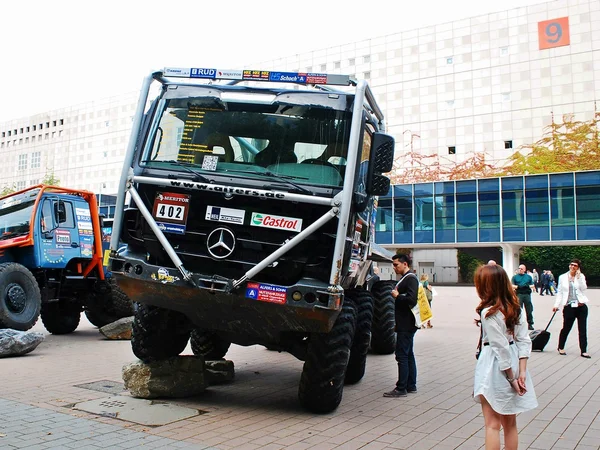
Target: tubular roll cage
90, 198
340, 204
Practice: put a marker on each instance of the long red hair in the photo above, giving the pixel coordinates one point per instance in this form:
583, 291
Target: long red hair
496, 292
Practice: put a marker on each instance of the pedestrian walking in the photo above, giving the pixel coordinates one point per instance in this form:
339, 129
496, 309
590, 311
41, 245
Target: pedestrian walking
546, 283
405, 295
571, 298
429, 294
551, 283
536, 280
502, 383
523, 285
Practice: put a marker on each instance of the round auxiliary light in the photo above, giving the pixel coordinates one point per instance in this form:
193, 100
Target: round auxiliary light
297, 295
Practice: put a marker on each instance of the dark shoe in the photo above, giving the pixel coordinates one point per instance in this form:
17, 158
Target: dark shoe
412, 391
562, 352
541, 295
531, 327
585, 355
395, 393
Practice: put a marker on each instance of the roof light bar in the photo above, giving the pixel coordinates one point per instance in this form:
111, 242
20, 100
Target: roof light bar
259, 75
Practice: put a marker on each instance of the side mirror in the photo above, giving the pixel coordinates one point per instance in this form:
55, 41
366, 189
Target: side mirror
382, 152
380, 185
60, 212
381, 161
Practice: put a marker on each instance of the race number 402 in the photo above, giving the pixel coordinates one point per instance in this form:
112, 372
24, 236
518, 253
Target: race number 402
171, 207
554, 33
172, 212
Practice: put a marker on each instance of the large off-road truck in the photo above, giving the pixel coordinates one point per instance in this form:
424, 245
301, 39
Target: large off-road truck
251, 219
51, 262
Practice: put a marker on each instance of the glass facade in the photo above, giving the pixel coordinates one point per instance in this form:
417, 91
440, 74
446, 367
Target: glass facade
531, 208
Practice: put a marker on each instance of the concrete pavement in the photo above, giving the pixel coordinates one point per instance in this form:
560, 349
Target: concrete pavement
260, 409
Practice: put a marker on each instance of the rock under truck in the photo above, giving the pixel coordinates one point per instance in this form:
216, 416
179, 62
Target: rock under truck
252, 219
51, 262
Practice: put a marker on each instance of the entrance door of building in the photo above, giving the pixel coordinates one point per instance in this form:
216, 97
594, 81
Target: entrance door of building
428, 268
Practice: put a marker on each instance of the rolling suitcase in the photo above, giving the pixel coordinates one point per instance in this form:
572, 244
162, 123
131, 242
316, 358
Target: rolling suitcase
539, 338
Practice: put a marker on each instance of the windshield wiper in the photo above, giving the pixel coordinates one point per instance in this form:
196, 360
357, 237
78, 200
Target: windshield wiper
186, 166
288, 179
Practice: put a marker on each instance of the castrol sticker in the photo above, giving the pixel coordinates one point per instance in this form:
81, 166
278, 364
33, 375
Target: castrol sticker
277, 222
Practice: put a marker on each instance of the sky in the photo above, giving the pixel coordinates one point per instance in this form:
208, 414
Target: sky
64, 52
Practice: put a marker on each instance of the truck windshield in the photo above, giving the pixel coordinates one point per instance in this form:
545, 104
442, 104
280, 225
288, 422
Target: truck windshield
14, 218
307, 144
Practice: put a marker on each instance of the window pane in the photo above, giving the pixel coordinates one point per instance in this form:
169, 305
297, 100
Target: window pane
423, 202
466, 211
489, 210
537, 208
403, 225
383, 228
562, 207
444, 212
588, 205
513, 224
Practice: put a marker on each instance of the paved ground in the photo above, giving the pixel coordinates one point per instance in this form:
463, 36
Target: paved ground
260, 410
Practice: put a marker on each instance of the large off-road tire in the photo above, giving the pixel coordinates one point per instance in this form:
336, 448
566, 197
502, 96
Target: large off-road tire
363, 302
61, 317
383, 334
158, 333
20, 299
322, 380
207, 344
102, 309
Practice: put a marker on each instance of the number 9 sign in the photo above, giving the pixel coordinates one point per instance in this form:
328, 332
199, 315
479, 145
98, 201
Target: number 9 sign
554, 33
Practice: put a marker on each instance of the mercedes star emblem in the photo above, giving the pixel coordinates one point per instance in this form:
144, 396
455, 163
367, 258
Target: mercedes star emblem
220, 243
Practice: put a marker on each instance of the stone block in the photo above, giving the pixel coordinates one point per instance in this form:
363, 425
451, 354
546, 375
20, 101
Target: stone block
118, 330
17, 343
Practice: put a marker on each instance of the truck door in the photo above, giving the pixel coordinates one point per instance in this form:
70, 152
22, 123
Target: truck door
59, 237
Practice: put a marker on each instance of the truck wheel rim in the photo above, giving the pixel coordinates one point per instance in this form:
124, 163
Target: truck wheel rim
16, 299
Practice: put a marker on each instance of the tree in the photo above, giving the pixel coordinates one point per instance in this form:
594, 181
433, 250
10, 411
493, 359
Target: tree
8, 190
50, 179
569, 146
413, 167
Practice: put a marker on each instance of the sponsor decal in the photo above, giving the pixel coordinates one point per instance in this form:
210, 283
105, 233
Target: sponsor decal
62, 238
255, 75
218, 214
277, 222
230, 74
86, 250
171, 228
210, 162
354, 265
164, 276
227, 189
83, 212
316, 78
84, 225
203, 73
288, 77
266, 292
176, 72
171, 211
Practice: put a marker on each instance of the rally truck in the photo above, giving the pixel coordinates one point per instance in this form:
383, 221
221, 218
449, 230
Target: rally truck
251, 219
51, 262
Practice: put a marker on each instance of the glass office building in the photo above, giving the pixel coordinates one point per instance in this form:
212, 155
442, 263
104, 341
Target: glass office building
558, 207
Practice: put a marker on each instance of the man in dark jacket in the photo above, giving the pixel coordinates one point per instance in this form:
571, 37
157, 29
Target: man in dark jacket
405, 294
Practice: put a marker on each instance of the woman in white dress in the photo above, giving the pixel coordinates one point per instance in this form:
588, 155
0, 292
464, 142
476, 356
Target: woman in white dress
502, 383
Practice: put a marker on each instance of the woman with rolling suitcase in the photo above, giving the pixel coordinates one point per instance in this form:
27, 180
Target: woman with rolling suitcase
572, 300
